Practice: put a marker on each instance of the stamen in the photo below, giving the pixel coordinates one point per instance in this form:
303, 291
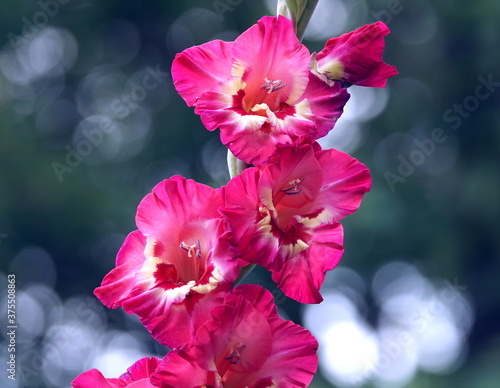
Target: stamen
192, 250
273, 85
293, 189
198, 249
196, 265
266, 85
233, 358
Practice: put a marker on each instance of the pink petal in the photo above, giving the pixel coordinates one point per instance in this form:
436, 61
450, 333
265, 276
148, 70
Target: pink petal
292, 363
242, 212
325, 104
253, 146
137, 376
141, 369
217, 110
199, 69
344, 185
175, 324
234, 323
303, 275
95, 379
292, 359
259, 297
173, 202
179, 369
270, 49
118, 284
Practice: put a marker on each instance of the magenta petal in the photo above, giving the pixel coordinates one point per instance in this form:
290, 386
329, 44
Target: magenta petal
242, 212
177, 326
141, 369
180, 369
199, 69
303, 275
137, 376
245, 344
118, 284
95, 379
270, 49
236, 324
253, 147
259, 297
214, 110
242, 201
326, 104
344, 185
293, 359
172, 203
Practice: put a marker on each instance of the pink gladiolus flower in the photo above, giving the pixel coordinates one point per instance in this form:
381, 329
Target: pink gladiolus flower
258, 90
178, 265
137, 376
356, 57
284, 215
245, 344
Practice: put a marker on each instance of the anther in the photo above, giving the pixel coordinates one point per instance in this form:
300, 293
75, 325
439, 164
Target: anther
235, 357
293, 189
192, 250
198, 249
273, 85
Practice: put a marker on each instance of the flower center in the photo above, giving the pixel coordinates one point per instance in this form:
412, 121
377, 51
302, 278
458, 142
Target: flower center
193, 267
273, 85
258, 99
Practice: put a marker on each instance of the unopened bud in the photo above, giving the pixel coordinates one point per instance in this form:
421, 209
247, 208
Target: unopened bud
298, 11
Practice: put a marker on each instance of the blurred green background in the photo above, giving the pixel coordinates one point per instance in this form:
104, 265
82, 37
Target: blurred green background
90, 122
